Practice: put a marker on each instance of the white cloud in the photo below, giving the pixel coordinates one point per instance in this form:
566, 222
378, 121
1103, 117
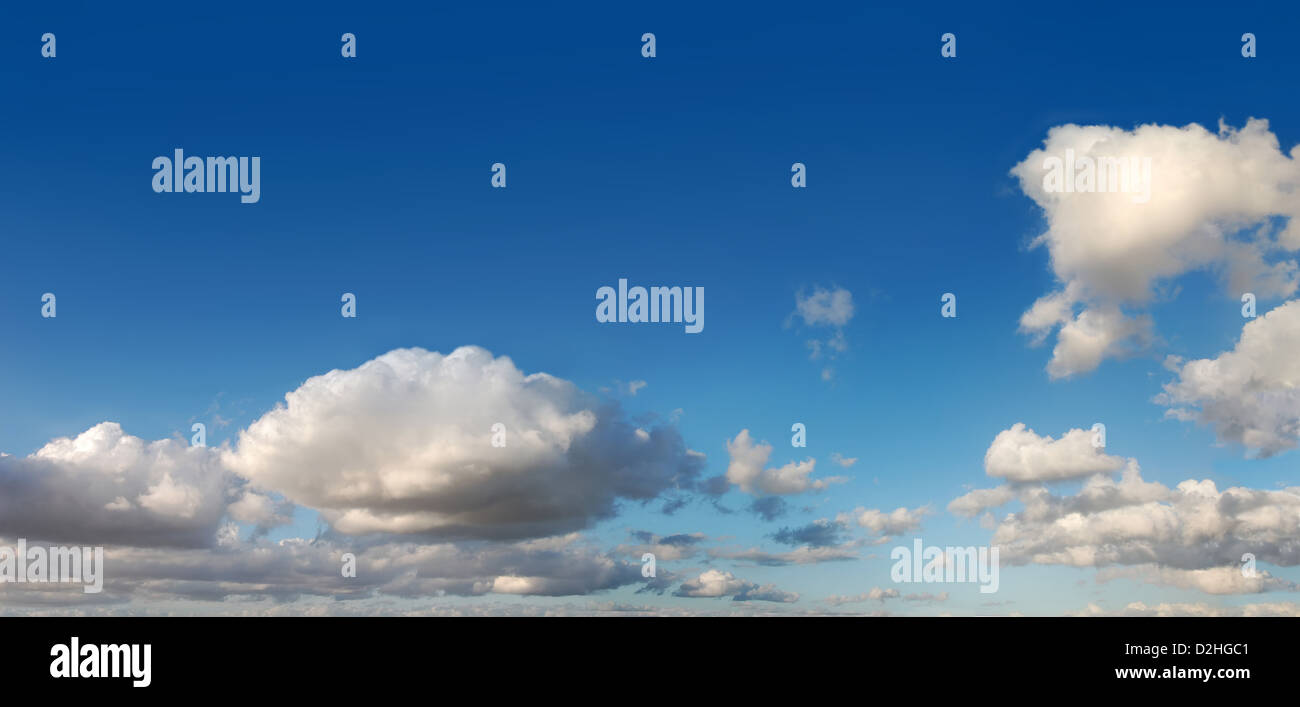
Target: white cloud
106, 486
259, 510
1212, 199
716, 584
979, 500
403, 444
289, 569
1192, 535
1251, 394
748, 470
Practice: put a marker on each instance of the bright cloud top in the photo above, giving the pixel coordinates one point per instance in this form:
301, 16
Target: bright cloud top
1213, 199
106, 486
404, 444
1192, 535
1251, 394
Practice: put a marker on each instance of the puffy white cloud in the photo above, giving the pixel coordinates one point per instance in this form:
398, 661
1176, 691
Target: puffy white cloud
1211, 580
403, 444
108, 487
1212, 202
1020, 455
290, 569
825, 308
716, 584
748, 470
885, 524
823, 540
1251, 394
1193, 535
979, 500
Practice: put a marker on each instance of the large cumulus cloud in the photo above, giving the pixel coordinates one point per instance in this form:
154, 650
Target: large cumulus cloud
1251, 394
1215, 203
404, 444
749, 471
1193, 535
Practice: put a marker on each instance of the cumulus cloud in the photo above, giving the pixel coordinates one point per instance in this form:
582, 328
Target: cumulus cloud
1211, 580
748, 470
979, 500
1020, 455
1138, 608
261, 511
1251, 394
403, 444
883, 595
1214, 200
108, 487
1192, 535
717, 584
886, 524
295, 568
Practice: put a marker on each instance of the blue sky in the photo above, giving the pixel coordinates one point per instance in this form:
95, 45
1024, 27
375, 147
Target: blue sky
182, 308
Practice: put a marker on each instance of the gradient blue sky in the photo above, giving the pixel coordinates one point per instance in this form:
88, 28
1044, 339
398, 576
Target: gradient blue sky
375, 180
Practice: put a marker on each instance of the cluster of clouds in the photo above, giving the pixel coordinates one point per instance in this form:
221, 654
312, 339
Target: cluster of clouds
827, 310
110, 487
397, 456
748, 470
1250, 395
718, 584
1138, 608
403, 445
